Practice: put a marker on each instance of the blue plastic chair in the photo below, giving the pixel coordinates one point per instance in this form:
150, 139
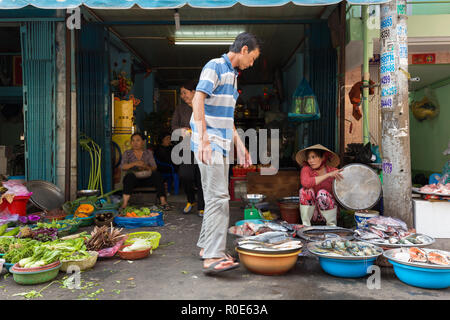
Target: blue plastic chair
172, 178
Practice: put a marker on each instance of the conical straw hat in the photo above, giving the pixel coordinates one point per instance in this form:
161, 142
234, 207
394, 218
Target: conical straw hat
333, 161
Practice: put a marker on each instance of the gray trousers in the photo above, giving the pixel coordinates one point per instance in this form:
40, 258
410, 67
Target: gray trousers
213, 234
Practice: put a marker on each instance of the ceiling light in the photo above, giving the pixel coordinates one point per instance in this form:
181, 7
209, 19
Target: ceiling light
204, 41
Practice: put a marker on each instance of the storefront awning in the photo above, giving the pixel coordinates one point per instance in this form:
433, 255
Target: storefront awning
167, 4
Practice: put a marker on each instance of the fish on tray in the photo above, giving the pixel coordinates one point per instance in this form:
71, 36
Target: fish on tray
258, 245
388, 222
418, 255
276, 227
270, 237
345, 248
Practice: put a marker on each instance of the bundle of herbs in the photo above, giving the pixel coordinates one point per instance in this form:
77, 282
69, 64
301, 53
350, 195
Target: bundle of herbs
104, 237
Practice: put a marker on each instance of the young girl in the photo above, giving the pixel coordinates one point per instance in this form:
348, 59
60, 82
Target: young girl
317, 202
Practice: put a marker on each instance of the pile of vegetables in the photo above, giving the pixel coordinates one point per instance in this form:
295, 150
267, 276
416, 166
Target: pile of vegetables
104, 216
32, 218
139, 245
95, 153
5, 243
12, 232
39, 233
70, 207
131, 212
84, 210
3, 228
31, 253
19, 249
58, 224
104, 237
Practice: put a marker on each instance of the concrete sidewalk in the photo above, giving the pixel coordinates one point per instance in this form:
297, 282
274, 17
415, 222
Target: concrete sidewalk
173, 271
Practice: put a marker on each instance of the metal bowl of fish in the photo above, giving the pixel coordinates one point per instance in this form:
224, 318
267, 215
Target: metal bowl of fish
344, 258
268, 264
410, 240
269, 253
283, 247
390, 232
419, 267
317, 233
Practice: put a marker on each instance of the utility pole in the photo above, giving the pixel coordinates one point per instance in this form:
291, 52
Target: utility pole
366, 75
395, 145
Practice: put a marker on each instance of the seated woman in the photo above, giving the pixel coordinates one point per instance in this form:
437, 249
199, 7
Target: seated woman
141, 171
316, 196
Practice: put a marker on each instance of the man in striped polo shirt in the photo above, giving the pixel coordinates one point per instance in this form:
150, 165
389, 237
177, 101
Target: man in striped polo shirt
213, 136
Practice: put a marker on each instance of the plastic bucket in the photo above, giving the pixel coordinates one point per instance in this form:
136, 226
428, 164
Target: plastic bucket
362, 216
290, 212
17, 206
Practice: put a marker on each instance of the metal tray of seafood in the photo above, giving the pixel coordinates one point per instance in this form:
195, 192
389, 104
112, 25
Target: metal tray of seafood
390, 254
417, 190
399, 245
313, 245
46, 195
307, 233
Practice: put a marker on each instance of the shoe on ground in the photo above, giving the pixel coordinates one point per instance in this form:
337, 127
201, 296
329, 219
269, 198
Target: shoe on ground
188, 207
200, 213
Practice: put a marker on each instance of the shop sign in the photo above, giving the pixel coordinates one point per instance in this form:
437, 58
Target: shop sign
424, 58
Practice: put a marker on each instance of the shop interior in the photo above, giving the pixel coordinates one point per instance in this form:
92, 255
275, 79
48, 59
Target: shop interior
152, 39
12, 160
143, 44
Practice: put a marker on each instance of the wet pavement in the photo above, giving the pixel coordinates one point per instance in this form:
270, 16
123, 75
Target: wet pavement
173, 272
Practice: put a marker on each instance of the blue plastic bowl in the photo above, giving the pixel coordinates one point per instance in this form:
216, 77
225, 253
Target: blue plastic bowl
7, 266
346, 268
255, 221
422, 277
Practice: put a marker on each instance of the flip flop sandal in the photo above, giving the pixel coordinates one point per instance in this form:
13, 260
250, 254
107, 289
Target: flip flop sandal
212, 271
230, 257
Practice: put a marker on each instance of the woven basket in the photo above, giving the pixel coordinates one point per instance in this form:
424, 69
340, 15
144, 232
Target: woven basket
82, 264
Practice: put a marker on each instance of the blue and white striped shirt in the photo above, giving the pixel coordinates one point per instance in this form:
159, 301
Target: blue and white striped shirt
218, 80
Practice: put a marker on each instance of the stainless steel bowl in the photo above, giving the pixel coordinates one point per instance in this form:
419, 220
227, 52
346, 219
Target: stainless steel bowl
253, 198
289, 200
88, 193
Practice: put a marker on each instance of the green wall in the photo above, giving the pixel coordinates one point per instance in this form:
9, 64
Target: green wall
430, 138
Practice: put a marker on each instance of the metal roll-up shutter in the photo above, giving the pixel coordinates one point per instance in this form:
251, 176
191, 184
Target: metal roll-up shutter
39, 97
94, 101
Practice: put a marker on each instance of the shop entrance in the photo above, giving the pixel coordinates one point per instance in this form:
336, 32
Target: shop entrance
12, 160
297, 44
